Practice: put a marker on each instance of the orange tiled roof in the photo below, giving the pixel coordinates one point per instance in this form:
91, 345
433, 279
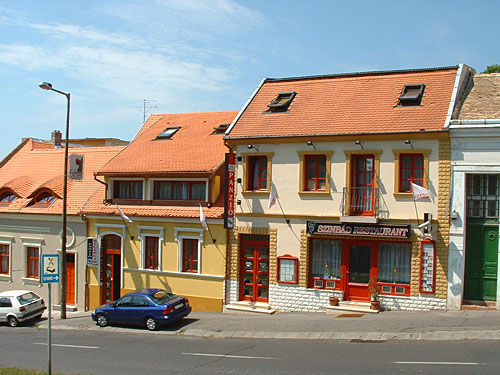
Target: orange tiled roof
360, 103
38, 166
191, 150
483, 102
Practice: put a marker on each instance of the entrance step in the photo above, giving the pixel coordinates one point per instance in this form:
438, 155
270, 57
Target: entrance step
355, 306
478, 305
248, 307
69, 308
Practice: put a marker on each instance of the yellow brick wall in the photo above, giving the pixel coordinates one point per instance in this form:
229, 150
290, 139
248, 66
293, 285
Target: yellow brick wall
443, 224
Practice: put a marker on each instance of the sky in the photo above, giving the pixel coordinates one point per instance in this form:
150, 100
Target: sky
119, 59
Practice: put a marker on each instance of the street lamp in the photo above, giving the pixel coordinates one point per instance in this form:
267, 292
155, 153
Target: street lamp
48, 86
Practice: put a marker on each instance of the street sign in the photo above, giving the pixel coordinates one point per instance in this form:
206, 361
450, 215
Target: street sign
50, 268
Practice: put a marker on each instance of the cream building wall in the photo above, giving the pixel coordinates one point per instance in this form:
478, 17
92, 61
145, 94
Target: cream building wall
300, 208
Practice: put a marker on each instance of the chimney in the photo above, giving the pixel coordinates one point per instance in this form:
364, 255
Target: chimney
56, 138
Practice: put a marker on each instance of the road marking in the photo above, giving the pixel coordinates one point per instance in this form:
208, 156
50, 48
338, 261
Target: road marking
438, 363
227, 356
68, 346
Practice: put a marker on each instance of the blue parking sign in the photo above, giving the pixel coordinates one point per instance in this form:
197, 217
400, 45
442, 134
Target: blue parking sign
50, 268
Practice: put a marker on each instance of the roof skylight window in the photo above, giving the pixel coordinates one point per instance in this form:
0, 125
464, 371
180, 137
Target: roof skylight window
282, 101
412, 95
168, 132
220, 129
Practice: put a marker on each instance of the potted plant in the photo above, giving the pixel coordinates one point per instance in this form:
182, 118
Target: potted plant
374, 291
334, 300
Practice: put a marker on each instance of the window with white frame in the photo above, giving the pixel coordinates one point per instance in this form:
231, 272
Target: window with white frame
32, 262
189, 249
4, 259
151, 252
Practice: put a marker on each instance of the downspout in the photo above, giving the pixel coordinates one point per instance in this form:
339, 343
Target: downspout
228, 245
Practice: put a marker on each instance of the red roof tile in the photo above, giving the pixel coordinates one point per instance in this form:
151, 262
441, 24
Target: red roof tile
191, 150
349, 104
33, 167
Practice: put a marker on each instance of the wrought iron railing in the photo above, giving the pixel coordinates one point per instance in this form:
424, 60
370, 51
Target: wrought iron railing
360, 201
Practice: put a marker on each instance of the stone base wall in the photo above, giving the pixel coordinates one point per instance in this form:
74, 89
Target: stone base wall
289, 298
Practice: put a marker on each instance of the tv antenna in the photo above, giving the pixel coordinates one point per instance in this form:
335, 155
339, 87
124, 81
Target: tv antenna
147, 106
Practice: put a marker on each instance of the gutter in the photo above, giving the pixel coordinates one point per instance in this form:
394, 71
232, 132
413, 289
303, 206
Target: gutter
244, 108
462, 124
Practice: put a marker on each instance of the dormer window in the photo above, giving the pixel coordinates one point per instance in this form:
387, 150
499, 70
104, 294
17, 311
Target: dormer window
44, 198
168, 132
411, 95
282, 101
7, 197
126, 189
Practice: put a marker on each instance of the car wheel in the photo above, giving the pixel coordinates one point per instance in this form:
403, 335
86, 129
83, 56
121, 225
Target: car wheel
102, 321
151, 324
13, 322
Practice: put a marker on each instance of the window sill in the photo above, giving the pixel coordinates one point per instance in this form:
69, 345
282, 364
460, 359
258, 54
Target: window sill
255, 192
315, 193
403, 195
5, 278
31, 281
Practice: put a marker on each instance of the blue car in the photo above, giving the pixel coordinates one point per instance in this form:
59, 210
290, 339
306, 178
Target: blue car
148, 307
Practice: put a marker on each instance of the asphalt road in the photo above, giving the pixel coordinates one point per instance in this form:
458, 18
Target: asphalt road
136, 351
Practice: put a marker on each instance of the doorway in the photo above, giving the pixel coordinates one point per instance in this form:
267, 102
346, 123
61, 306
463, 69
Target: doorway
254, 279
70, 279
359, 259
110, 267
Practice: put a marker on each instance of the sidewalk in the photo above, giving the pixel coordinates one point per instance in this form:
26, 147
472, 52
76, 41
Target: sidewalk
389, 325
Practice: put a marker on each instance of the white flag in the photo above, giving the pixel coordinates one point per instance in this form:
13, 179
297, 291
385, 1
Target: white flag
125, 217
420, 192
273, 196
203, 220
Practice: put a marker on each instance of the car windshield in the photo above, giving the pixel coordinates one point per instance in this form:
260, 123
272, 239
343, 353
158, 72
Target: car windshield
27, 298
161, 297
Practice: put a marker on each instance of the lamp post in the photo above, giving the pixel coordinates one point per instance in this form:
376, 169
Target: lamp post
48, 86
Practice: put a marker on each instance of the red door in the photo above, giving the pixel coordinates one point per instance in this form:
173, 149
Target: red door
359, 263
362, 199
110, 267
254, 280
70, 279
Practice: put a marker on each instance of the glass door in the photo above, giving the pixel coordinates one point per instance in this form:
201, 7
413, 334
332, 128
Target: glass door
111, 267
254, 283
360, 265
362, 201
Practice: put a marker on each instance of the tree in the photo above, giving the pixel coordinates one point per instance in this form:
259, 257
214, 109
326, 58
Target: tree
493, 68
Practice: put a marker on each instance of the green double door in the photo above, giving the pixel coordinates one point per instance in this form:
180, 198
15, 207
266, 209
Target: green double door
481, 262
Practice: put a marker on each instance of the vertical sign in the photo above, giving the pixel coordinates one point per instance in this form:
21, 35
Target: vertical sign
427, 266
230, 191
92, 256
76, 167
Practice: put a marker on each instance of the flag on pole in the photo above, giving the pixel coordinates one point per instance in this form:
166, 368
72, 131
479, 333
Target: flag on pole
203, 219
273, 196
420, 192
125, 217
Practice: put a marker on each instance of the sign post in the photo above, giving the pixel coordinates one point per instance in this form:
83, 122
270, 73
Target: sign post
50, 274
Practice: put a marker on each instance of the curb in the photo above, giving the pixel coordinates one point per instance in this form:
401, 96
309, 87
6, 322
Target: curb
351, 336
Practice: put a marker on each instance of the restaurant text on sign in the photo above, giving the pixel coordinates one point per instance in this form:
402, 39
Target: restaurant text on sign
391, 231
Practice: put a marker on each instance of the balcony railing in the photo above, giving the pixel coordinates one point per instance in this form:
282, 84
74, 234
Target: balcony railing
360, 201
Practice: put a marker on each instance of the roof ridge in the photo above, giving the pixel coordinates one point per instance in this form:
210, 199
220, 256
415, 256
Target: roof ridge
354, 74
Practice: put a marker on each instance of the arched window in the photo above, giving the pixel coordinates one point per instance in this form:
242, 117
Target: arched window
44, 198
